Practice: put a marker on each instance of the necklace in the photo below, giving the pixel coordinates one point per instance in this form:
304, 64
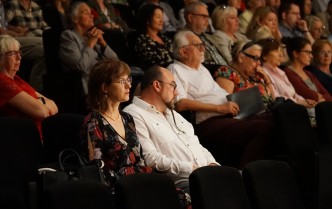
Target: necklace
113, 119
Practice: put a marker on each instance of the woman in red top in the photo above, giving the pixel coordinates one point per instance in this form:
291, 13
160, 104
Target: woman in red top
18, 98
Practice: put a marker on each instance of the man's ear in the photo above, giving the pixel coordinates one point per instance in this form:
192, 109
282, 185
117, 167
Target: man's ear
182, 52
283, 15
156, 85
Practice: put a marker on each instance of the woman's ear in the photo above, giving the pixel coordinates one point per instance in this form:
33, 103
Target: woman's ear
104, 88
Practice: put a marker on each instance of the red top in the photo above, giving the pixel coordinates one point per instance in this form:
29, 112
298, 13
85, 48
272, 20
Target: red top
11, 87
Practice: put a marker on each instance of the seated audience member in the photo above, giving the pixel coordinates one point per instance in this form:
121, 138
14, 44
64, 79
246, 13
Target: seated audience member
32, 48
272, 53
105, 16
316, 27
322, 58
236, 4
305, 83
246, 72
109, 134
226, 25
18, 98
182, 20
246, 16
198, 91
83, 45
325, 16
168, 140
170, 23
152, 47
264, 24
305, 8
290, 22
197, 18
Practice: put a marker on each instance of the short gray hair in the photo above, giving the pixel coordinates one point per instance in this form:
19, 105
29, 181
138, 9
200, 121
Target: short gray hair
192, 8
7, 43
243, 46
73, 13
180, 40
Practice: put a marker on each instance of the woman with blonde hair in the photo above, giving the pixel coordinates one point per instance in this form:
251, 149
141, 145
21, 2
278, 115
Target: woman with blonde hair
226, 25
264, 24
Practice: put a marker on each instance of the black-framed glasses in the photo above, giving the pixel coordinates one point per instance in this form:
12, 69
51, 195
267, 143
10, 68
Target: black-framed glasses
123, 81
255, 58
173, 84
199, 46
308, 52
204, 16
13, 53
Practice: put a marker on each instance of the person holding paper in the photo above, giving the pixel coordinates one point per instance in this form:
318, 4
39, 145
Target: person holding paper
245, 72
197, 91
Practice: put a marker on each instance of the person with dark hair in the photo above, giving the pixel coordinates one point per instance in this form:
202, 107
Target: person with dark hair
291, 24
168, 140
151, 46
246, 16
275, 4
305, 83
272, 55
197, 91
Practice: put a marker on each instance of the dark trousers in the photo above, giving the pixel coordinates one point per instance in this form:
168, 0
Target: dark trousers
243, 140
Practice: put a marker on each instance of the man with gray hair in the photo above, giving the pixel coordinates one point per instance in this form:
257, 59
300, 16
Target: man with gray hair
197, 17
197, 91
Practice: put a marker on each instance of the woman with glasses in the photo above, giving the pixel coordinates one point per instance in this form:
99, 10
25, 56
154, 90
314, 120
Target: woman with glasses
18, 98
322, 59
305, 83
245, 72
152, 47
272, 55
226, 24
316, 27
108, 134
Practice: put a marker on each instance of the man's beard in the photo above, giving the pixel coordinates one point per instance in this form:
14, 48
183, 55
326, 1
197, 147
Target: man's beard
170, 104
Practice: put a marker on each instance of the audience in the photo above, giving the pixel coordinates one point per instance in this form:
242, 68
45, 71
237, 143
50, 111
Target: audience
291, 25
32, 48
325, 16
264, 24
316, 27
182, 20
246, 16
226, 24
83, 45
246, 72
197, 18
18, 98
168, 140
272, 55
197, 91
322, 59
151, 46
305, 83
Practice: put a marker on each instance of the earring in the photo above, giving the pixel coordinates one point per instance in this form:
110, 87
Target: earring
105, 95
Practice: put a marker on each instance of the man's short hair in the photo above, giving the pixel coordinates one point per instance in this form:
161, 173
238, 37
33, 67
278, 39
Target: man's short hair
152, 74
180, 40
192, 8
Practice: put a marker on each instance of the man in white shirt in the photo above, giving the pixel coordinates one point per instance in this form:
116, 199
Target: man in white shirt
168, 140
197, 91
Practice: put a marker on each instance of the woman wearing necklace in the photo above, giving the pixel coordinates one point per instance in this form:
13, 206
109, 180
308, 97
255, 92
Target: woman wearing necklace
305, 83
109, 134
245, 72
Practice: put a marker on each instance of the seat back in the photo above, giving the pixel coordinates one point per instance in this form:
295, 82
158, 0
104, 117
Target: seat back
215, 187
324, 121
21, 153
61, 131
271, 185
146, 191
296, 136
78, 195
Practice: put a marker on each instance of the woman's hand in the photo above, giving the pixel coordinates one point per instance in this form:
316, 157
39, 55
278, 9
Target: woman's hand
261, 72
95, 36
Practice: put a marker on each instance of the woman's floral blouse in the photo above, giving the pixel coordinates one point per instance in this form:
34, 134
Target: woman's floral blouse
121, 157
241, 83
152, 53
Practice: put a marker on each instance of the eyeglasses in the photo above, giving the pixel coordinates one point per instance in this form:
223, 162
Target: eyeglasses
295, 13
255, 58
199, 46
123, 81
320, 30
308, 52
324, 53
202, 15
173, 84
13, 53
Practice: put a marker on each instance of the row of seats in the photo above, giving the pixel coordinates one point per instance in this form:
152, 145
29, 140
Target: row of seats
23, 150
